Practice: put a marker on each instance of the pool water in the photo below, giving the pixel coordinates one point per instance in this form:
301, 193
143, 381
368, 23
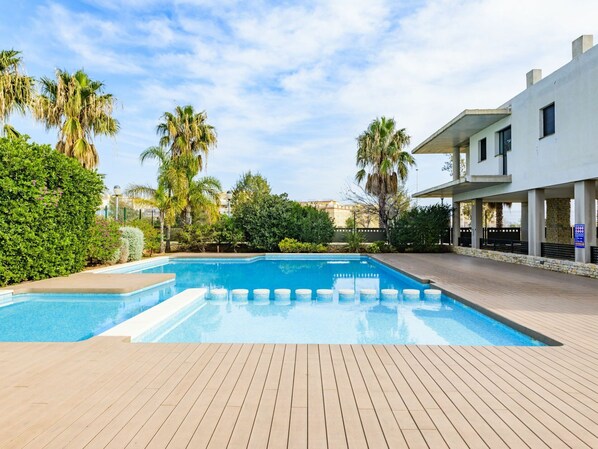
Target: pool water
72, 317
406, 321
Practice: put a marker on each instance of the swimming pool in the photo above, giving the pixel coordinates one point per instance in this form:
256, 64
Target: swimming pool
72, 317
406, 320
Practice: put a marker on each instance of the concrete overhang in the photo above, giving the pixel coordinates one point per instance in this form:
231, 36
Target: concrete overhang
463, 185
457, 132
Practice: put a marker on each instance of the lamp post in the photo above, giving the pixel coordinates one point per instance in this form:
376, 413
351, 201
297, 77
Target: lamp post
117, 192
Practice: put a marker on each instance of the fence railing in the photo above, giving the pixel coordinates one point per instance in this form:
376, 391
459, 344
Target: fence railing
594, 254
558, 251
505, 246
369, 235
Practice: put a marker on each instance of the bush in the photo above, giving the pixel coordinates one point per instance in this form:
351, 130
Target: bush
151, 235
420, 229
121, 254
195, 237
226, 232
135, 239
47, 204
267, 219
104, 241
379, 247
354, 242
288, 245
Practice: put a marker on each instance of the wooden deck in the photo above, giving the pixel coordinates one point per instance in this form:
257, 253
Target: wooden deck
108, 393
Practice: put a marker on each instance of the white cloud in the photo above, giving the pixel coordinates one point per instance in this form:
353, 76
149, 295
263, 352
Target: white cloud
290, 85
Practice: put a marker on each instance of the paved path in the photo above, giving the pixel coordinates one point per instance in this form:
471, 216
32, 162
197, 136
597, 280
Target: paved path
108, 393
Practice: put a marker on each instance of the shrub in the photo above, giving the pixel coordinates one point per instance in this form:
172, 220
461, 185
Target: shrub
104, 241
420, 229
354, 242
120, 254
195, 237
379, 247
288, 245
135, 239
267, 219
47, 204
151, 235
225, 231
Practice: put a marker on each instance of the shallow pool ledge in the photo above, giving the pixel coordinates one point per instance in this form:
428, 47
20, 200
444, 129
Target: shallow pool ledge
147, 320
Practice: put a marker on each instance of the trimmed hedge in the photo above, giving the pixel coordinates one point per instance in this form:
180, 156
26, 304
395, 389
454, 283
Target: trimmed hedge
293, 246
47, 205
135, 238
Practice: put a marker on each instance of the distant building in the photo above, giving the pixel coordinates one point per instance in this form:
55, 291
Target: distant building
340, 213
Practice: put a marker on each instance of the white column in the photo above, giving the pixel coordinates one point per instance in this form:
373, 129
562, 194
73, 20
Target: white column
456, 163
585, 213
536, 221
477, 216
456, 222
524, 222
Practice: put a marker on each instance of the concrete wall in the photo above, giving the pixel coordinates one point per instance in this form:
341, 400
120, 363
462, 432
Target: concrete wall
571, 154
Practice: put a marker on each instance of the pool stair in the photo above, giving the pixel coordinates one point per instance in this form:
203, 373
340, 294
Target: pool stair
324, 294
389, 294
239, 295
368, 295
261, 296
303, 294
346, 295
432, 293
411, 294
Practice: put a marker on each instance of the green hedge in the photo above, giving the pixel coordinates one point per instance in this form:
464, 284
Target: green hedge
47, 204
151, 235
420, 229
135, 238
293, 246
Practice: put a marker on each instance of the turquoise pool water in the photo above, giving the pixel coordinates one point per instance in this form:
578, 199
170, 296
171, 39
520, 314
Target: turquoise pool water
72, 317
406, 321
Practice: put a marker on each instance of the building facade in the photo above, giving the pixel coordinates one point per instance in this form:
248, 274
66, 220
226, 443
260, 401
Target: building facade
539, 149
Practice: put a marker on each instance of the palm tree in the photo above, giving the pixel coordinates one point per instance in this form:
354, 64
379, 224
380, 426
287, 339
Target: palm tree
159, 198
79, 108
16, 89
204, 195
383, 162
497, 208
188, 138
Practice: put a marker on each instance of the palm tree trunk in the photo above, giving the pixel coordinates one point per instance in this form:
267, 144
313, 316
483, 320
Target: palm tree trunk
187, 218
161, 233
168, 238
499, 215
382, 214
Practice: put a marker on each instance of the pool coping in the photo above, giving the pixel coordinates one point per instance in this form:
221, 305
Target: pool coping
147, 320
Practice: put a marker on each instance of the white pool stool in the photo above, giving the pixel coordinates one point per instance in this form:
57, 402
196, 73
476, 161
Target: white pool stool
432, 293
261, 296
389, 294
411, 294
239, 294
346, 295
324, 294
303, 294
282, 296
368, 295
218, 295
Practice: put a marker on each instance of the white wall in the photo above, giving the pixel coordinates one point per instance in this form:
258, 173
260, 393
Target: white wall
571, 154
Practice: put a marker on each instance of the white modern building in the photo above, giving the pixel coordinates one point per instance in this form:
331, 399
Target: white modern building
539, 149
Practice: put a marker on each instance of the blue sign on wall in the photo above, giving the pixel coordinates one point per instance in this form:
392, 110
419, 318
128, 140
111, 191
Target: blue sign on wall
579, 234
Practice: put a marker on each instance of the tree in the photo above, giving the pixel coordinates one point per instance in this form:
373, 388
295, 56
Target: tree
448, 165
249, 186
166, 197
383, 162
79, 108
368, 206
204, 197
16, 89
188, 138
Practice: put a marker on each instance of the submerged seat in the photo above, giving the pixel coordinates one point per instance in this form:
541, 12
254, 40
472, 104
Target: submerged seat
389, 294
303, 294
324, 294
346, 294
239, 294
367, 295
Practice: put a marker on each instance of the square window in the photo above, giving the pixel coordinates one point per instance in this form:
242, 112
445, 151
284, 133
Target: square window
482, 145
548, 125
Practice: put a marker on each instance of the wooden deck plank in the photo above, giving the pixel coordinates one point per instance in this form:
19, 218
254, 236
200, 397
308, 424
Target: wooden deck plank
109, 393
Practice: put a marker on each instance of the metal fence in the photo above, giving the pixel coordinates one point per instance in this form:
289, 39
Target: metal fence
558, 251
505, 246
369, 235
594, 254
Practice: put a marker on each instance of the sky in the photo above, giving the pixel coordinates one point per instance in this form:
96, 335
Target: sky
290, 85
